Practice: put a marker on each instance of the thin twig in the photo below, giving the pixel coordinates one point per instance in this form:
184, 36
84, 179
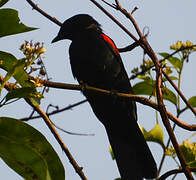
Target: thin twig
170, 55
53, 19
77, 168
129, 16
55, 111
164, 155
111, 5
174, 171
130, 47
142, 100
180, 93
114, 20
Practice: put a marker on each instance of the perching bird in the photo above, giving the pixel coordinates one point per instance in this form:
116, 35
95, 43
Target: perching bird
95, 61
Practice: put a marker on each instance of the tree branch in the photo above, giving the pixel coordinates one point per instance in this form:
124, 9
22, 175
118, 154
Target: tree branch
55, 111
143, 71
142, 100
174, 171
53, 19
161, 105
180, 93
77, 168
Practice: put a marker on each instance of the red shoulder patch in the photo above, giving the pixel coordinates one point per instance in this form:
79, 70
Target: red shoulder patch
110, 41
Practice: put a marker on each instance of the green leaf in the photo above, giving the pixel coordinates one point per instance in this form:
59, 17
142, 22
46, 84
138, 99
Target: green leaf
192, 101
154, 135
144, 88
10, 23
111, 152
148, 88
171, 77
15, 68
169, 95
143, 129
176, 62
189, 151
26, 92
27, 151
144, 77
164, 55
2, 2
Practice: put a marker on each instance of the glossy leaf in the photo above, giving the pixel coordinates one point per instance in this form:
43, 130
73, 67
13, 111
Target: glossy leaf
15, 68
192, 101
189, 151
27, 151
26, 92
176, 62
2, 2
144, 88
10, 23
148, 88
169, 95
154, 135
171, 77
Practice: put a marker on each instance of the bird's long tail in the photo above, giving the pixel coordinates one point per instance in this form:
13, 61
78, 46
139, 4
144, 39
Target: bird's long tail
133, 156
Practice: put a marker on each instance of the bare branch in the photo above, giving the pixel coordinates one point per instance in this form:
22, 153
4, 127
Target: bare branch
130, 17
174, 171
170, 55
56, 111
111, 5
180, 93
114, 19
53, 19
77, 168
142, 100
130, 47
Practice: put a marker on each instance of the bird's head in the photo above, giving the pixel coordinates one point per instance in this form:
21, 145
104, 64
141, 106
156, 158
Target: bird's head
74, 25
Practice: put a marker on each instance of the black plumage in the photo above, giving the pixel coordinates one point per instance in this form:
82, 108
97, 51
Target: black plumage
95, 61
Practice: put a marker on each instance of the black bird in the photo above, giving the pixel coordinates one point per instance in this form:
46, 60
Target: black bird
95, 61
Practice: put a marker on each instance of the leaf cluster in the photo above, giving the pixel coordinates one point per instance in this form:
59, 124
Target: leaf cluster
23, 148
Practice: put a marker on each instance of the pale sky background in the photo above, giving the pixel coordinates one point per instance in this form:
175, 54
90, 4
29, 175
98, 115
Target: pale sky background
168, 21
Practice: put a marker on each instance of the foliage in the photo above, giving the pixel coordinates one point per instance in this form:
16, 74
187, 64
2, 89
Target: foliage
188, 150
22, 147
28, 152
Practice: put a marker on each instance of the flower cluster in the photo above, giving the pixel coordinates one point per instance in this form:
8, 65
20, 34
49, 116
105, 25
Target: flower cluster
179, 45
32, 51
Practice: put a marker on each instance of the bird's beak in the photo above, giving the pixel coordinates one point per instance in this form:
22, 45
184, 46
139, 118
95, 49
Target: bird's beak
57, 38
